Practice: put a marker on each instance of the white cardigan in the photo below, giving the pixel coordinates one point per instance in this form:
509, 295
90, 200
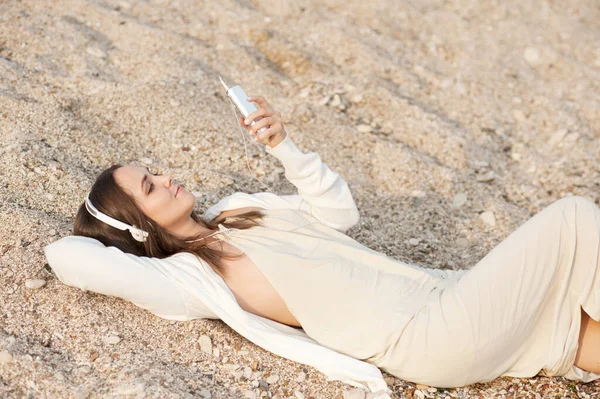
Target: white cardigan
181, 287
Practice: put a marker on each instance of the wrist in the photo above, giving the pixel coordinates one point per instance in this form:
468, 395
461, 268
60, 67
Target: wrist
277, 140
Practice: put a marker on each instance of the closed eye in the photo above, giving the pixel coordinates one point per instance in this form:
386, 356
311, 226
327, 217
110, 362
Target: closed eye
151, 188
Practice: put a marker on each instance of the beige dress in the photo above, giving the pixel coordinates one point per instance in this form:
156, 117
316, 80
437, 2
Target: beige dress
515, 313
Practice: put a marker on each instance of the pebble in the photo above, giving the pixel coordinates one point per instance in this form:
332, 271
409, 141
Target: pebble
49, 197
489, 218
82, 392
414, 241
301, 377
357, 98
59, 376
419, 394
459, 200
112, 340
5, 357
174, 103
356, 393
518, 115
231, 367
298, 394
205, 344
249, 394
462, 242
364, 128
96, 52
147, 161
489, 176
204, 393
131, 390
247, 372
85, 369
273, 378
531, 55
216, 352
35, 284
558, 136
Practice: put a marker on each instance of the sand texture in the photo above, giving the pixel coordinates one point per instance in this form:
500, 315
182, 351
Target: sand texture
452, 122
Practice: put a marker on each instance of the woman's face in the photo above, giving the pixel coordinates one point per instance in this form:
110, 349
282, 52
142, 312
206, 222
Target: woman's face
170, 205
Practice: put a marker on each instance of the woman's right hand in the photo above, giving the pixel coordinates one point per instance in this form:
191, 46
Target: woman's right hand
265, 116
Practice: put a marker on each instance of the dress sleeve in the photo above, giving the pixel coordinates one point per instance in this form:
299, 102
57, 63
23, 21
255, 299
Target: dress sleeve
85, 263
322, 193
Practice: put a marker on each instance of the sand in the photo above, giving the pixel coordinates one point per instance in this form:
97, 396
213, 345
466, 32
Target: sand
452, 122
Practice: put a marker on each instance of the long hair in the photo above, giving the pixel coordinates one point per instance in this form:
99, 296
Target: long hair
109, 198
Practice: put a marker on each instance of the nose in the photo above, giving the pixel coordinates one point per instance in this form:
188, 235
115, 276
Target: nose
168, 180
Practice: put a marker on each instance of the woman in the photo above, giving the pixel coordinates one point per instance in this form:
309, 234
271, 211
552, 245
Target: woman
518, 312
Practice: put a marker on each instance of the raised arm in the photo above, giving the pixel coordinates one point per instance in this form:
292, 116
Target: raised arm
85, 263
322, 193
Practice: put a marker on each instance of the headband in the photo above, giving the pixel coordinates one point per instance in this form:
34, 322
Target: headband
138, 234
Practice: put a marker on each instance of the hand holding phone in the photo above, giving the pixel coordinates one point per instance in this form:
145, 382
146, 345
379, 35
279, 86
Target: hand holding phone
264, 117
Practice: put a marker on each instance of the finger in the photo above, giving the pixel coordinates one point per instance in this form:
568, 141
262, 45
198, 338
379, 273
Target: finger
261, 123
258, 99
255, 114
266, 135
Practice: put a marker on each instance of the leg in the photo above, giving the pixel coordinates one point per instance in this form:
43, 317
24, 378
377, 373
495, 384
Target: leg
588, 352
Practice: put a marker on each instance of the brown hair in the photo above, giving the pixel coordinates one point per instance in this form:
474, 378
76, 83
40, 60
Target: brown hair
109, 198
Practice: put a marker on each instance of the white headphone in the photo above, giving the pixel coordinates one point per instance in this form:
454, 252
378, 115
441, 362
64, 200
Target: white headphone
138, 234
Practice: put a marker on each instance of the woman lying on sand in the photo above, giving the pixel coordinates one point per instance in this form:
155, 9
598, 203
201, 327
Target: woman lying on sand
524, 308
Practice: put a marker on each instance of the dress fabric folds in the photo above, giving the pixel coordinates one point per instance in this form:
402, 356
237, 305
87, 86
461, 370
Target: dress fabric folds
515, 313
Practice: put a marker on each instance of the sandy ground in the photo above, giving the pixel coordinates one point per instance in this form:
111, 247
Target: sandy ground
453, 123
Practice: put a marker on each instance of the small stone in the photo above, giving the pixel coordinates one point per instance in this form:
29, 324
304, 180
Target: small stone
364, 128
216, 352
273, 378
249, 394
459, 200
82, 392
301, 377
489, 218
112, 340
355, 393
357, 98
174, 102
531, 55
518, 115
85, 369
336, 101
5, 357
489, 176
96, 52
147, 161
131, 389
204, 393
298, 394
35, 284
462, 242
247, 372
419, 394
49, 197
231, 367
558, 136
205, 344
59, 376
414, 242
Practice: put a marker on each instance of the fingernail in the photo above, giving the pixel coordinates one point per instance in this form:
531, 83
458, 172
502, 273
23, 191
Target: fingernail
246, 121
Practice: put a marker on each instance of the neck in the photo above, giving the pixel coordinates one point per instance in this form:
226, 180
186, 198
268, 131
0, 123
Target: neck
189, 227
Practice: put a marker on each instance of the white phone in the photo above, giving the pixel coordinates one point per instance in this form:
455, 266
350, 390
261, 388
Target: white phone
238, 97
